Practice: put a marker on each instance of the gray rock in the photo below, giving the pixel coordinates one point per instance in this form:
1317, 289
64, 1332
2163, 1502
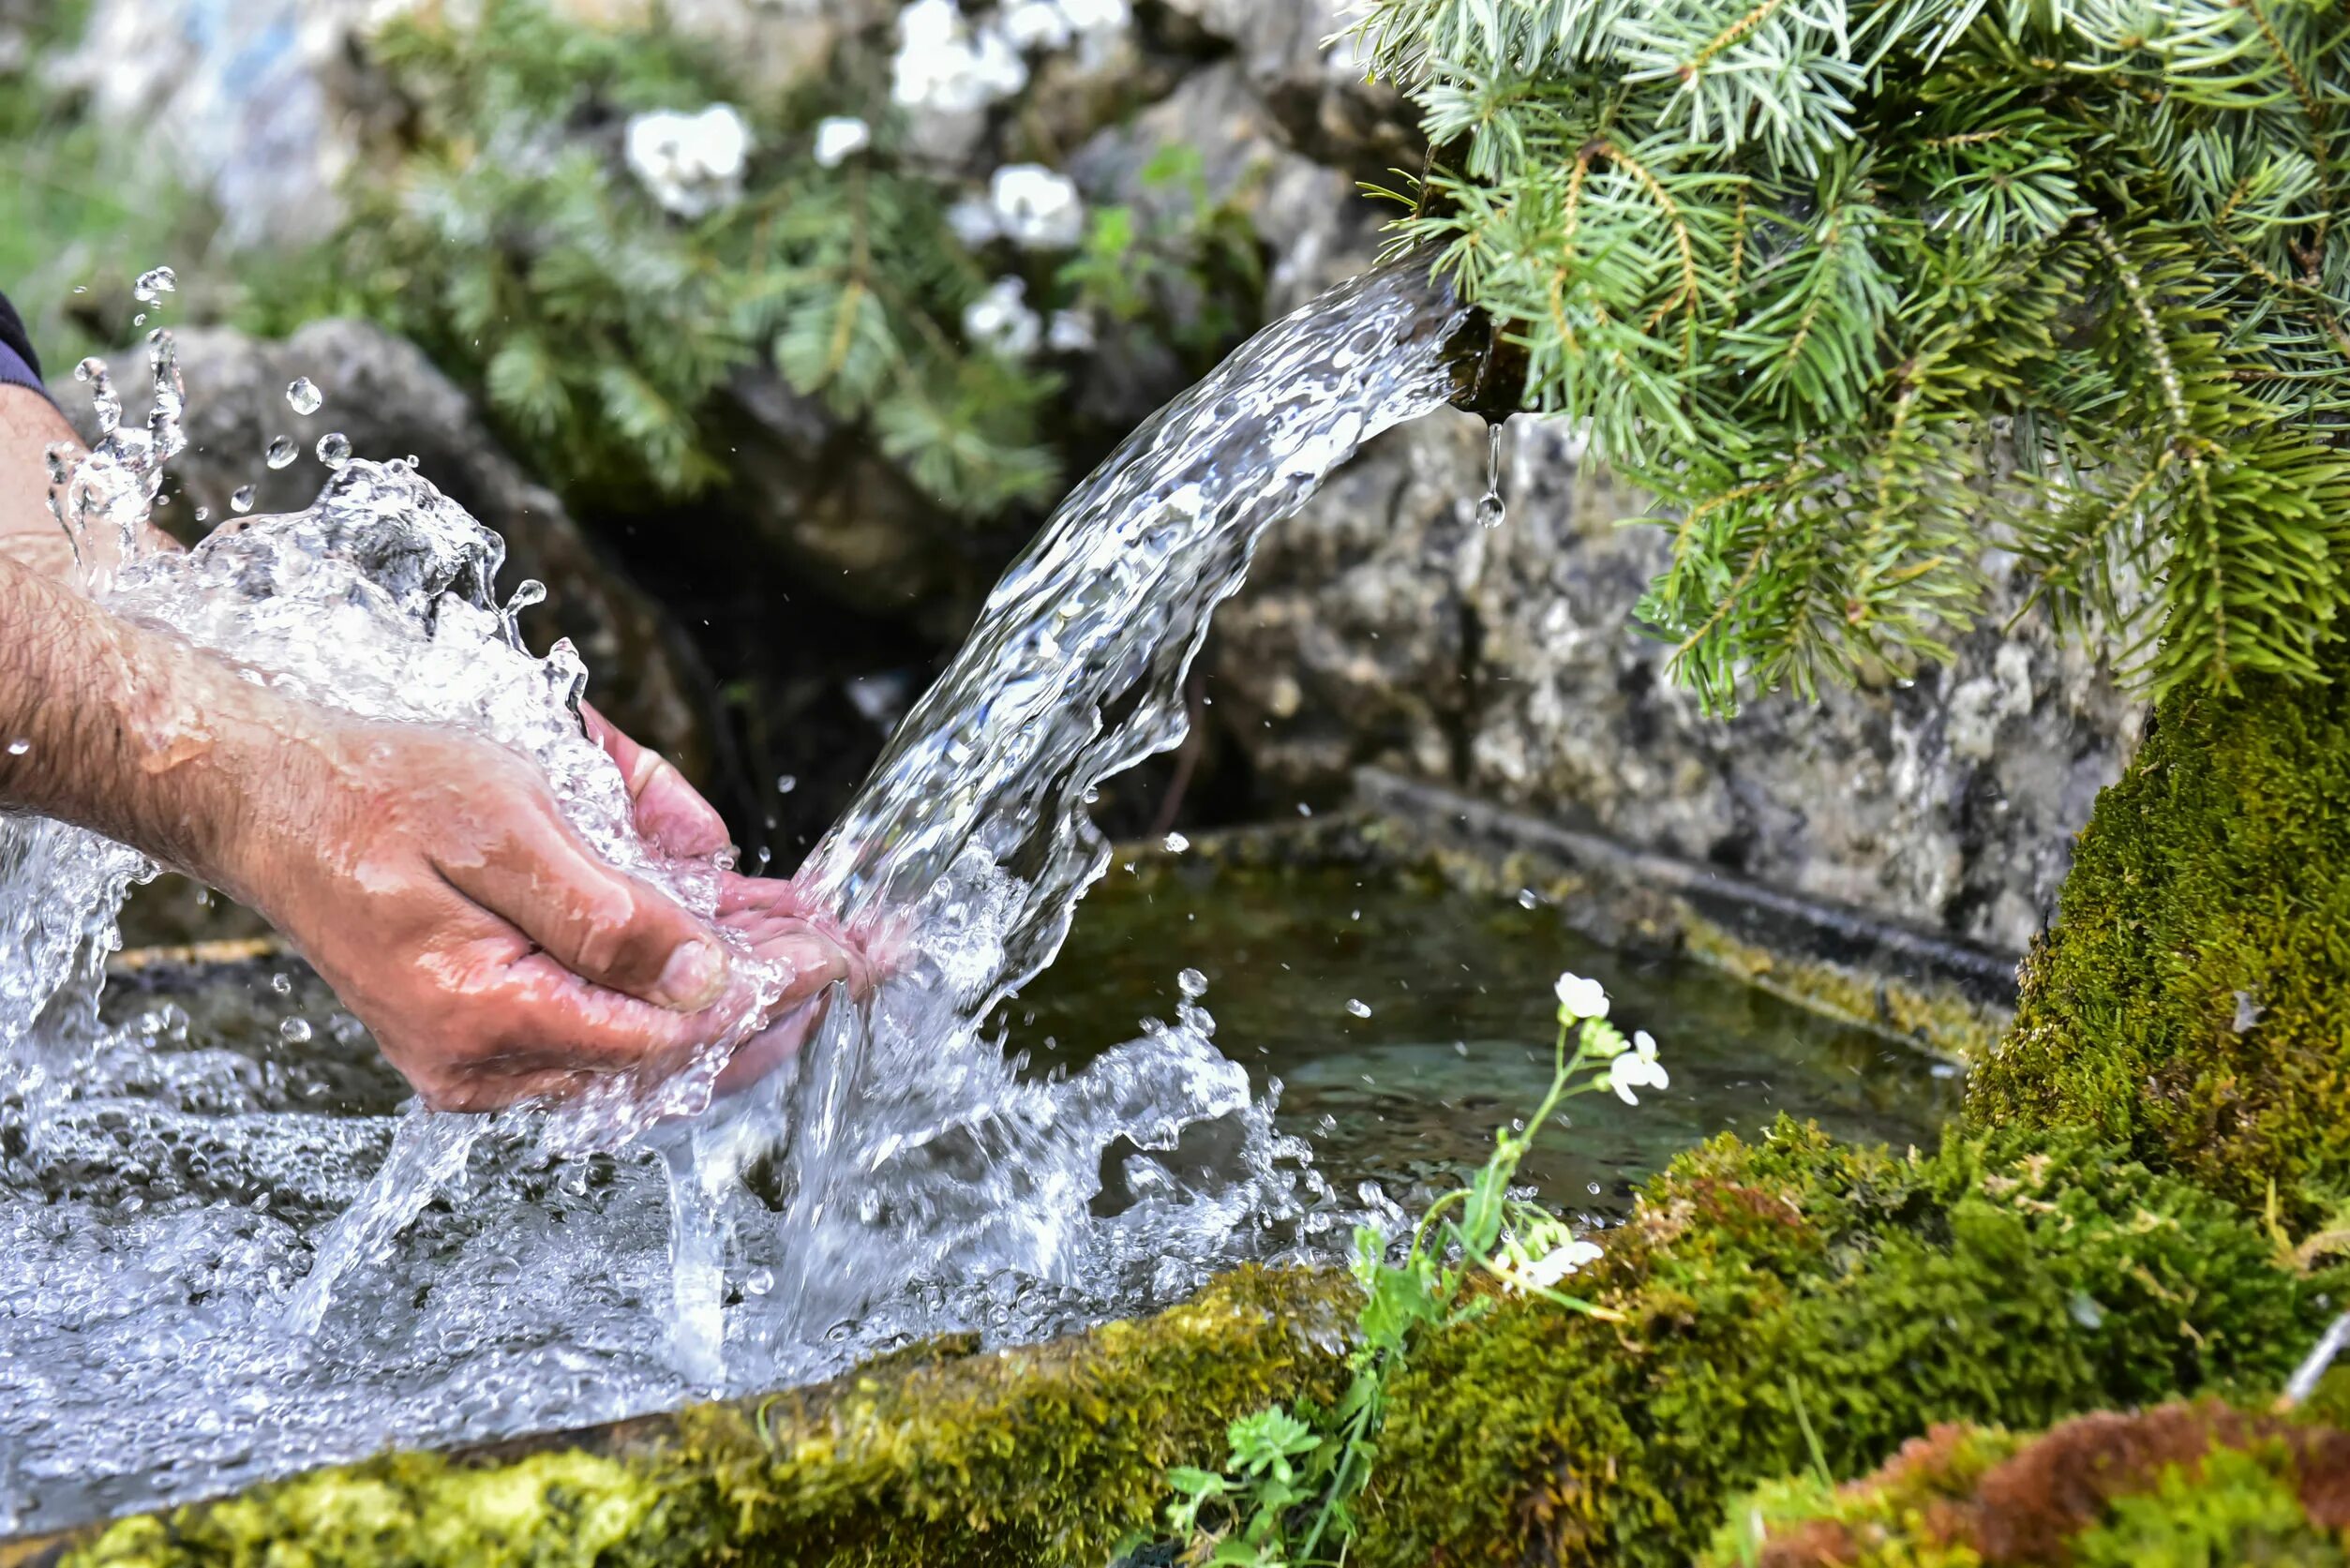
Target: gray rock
1301, 59
1383, 626
1312, 217
385, 396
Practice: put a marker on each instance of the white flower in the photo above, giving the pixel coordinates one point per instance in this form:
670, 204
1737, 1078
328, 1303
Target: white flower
973, 222
1000, 320
1097, 16
1581, 998
1637, 1068
839, 136
1035, 207
1036, 25
691, 164
1070, 333
941, 65
1554, 1267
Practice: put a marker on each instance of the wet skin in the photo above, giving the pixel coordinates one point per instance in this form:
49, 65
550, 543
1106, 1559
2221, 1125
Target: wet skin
428, 876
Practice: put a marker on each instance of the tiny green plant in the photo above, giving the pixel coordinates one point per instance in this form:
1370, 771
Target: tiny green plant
1285, 1496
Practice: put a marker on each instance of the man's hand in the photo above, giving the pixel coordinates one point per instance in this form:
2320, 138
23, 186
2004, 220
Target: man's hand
432, 881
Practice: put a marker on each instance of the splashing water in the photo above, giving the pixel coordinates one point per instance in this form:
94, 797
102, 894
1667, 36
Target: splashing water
165, 1330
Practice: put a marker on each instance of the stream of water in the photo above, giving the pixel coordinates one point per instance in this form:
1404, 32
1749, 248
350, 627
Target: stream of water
204, 1279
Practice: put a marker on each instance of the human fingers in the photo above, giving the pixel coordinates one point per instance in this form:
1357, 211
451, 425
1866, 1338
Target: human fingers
525, 865
670, 813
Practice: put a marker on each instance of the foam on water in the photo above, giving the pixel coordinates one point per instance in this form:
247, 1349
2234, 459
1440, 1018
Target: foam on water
202, 1280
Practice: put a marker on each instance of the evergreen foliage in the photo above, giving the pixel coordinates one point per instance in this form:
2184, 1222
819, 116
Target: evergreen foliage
1863, 289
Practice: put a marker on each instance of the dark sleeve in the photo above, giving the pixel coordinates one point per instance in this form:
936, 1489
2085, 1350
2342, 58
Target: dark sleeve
19, 365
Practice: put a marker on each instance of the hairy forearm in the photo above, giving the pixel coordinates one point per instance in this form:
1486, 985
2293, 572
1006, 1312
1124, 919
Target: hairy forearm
121, 729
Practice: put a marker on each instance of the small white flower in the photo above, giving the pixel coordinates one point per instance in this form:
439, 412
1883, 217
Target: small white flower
1637, 1069
1097, 16
691, 164
943, 67
1037, 208
1036, 25
1554, 1267
1070, 331
1000, 320
839, 136
1580, 997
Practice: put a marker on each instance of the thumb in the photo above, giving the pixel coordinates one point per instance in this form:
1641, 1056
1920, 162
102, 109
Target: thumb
594, 920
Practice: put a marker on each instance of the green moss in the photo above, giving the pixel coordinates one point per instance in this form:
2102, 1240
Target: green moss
2001, 1280
1047, 1455
2177, 1487
2210, 890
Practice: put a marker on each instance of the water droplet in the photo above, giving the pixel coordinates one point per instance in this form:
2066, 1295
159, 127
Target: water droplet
303, 396
333, 449
785, 783
1176, 843
242, 501
281, 985
1460, 1047
1594, 1189
19, 747
281, 451
1359, 1008
1304, 810
294, 1031
414, 461
527, 593
153, 285
1492, 511
758, 1282
1192, 983
139, 319
1528, 898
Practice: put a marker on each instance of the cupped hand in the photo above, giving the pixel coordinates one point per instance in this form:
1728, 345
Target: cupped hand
430, 879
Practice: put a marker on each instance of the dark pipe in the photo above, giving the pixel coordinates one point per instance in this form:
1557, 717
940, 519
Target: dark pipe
1489, 371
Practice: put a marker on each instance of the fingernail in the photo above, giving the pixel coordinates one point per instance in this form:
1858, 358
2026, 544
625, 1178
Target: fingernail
695, 977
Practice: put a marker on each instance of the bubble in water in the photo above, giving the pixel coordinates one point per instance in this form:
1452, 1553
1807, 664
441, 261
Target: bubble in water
1192, 983
1528, 898
333, 449
1359, 1008
758, 1282
303, 396
242, 499
1176, 843
281, 451
294, 1031
154, 284
785, 783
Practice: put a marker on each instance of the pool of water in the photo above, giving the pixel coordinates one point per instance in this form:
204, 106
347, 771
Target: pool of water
1460, 1032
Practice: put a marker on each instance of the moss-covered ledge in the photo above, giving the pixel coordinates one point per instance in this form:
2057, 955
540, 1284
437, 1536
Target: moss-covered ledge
2193, 999
1047, 1455
1867, 1292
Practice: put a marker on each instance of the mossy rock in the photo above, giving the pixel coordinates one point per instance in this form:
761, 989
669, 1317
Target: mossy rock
2189, 999
2181, 1485
1763, 1286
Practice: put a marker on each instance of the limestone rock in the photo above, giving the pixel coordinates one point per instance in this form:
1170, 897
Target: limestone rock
1383, 626
385, 396
1300, 57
